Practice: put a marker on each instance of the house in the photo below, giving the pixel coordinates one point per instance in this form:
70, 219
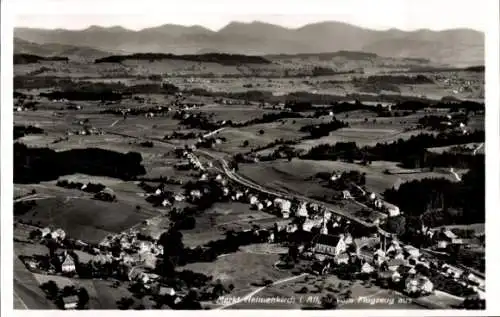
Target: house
396, 277
70, 302
58, 234
390, 209
45, 232
367, 268
68, 264
302, 210
137, 274
310, 223
166, 291
411, 251
394, 264
418, 285
342, 258
144, 246
346, 194
260, 206
329, 245
253, 200
452, 271
179, 197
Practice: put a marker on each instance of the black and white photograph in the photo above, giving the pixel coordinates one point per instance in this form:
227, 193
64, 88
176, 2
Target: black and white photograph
168, 159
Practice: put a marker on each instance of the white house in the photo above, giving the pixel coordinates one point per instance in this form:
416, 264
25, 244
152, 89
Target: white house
260, 206
342, 258
45, 232
68, 264
391, 210
58, 234
253, 200
70, 302
302, 210
373, 196
346, 194
367, 268
419, 284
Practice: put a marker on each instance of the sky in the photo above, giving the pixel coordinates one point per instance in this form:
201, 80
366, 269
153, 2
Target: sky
215, 14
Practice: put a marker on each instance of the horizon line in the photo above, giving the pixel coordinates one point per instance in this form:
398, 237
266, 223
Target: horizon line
245, 23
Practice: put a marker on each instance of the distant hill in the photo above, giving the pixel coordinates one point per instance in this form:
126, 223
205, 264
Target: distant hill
54, 49
459, 47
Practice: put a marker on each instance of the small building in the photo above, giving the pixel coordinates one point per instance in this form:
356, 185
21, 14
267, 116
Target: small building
253, 200
418, 285
346, 194
45, 231
166, 291
367, 268
390, 209
342, 258
58, 234
302, 210
70, 302
329, 245
394, 264
68, 264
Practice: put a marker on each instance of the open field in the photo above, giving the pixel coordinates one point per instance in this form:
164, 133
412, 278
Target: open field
212, 223
298, 175
85, 219
241, 269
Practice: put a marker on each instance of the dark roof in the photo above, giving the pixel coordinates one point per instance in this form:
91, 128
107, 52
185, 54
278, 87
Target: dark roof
327, 239
70, 299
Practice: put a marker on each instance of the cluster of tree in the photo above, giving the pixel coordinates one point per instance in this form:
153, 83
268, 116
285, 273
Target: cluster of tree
36, 82
274, 143
102, 95
20, 131
323, 129
433, 122
412, 153
89, 187
438, 201
182, 135
396, 79
268, 118
32, 165
196, 121
147, 144
32, 59
283, 151
54, 293
223, 59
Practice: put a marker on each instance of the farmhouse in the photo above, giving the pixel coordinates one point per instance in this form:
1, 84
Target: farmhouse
58, 234
329, 245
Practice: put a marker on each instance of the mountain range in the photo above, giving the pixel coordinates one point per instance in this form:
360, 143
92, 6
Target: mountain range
458, 47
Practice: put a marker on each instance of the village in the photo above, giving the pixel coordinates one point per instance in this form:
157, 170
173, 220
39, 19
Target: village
327, 242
